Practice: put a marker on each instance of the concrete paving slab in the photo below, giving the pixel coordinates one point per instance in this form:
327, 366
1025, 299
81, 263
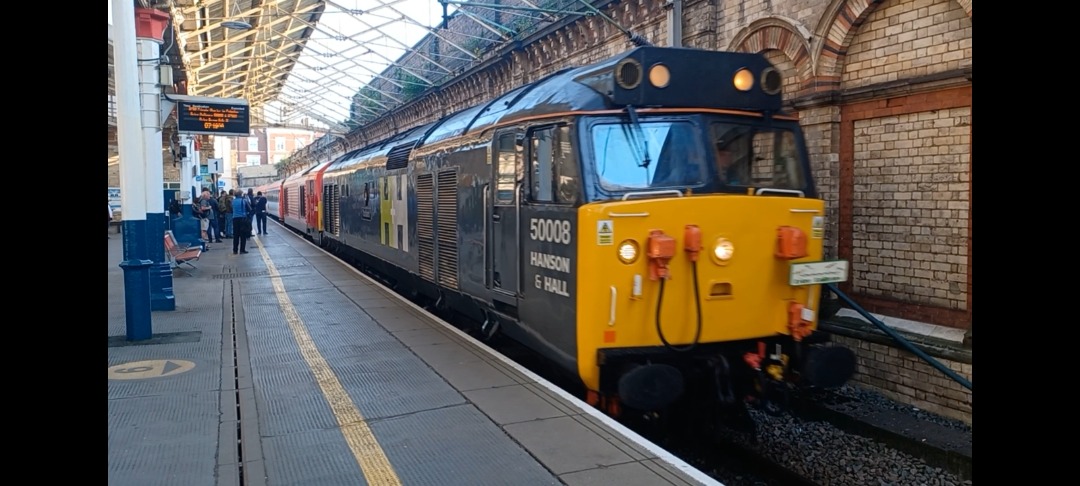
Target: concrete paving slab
564, 445
630, 474
511, 404
473, 375
481, 453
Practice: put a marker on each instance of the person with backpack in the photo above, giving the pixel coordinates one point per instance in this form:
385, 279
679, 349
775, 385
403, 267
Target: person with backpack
204, 211
225, 209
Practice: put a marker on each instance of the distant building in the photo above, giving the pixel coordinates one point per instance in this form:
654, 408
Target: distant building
265, 146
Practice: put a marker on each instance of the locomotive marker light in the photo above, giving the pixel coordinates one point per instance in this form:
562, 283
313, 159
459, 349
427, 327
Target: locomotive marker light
723, 250
744, 80
628, 251
659, 76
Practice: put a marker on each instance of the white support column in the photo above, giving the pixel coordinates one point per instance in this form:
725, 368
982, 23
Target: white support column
150, 95
128, 134
132, 174
189, 187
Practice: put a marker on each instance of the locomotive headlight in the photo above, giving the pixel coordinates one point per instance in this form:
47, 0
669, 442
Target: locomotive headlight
744, 80
723, 250
628, 251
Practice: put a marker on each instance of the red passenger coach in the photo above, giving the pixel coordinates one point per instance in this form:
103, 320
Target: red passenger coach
300, 200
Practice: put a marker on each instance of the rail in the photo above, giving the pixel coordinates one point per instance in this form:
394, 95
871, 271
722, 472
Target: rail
898, 338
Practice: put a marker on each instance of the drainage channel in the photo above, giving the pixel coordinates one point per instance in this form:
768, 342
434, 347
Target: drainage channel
242, 451
236, 384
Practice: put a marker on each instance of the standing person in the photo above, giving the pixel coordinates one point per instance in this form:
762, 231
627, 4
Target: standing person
241, 227
210, 212
222, 216
225, 207
260, 213
206, 202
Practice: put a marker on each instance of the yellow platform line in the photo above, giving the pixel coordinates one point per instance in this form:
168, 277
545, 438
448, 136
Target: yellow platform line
365, 447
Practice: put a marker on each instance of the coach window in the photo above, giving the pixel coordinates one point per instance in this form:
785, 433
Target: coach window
554, 172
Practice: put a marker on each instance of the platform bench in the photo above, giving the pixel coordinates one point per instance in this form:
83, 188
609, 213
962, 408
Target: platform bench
181, 255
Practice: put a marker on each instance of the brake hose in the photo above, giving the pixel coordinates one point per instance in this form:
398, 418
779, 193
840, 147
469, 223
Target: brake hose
697, 302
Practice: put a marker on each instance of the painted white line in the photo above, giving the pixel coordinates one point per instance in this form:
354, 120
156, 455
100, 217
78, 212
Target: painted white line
660, 453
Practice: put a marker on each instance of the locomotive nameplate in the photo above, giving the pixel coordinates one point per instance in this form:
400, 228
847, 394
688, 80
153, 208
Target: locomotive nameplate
816, 273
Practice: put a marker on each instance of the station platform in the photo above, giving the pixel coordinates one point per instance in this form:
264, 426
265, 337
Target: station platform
286, 366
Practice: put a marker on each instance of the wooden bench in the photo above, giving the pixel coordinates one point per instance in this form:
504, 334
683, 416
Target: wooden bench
181, 255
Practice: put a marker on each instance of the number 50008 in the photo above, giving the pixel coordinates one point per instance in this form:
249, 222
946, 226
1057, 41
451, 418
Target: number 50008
551, 230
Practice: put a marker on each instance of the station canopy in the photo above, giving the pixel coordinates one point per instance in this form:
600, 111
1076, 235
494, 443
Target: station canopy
317, 63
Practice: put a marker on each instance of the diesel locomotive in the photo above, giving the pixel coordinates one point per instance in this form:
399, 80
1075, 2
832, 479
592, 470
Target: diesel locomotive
648, 223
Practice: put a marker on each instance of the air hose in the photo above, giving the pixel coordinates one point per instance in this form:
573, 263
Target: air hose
697, 302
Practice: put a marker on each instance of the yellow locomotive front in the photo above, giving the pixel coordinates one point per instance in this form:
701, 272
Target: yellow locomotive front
700, 256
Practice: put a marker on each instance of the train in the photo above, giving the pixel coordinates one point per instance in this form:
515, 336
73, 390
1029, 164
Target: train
649, 224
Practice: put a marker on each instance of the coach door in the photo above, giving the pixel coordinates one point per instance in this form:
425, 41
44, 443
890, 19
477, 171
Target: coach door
504, 221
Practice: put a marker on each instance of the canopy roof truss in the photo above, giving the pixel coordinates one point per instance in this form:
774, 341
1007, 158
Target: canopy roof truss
336, 63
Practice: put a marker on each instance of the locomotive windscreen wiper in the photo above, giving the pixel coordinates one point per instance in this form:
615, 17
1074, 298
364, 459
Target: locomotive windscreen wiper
637, 131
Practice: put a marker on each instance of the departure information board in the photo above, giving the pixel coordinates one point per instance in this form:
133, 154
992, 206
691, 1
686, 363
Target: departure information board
213, 118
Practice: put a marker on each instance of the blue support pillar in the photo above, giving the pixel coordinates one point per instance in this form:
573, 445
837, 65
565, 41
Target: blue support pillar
161, 281
136, 281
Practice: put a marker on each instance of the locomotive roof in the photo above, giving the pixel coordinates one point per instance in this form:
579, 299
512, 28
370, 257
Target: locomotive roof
694, 78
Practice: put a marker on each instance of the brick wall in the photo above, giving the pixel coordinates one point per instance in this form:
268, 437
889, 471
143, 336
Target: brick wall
910, 213
906, 204
821, 129
904, 377
906, 39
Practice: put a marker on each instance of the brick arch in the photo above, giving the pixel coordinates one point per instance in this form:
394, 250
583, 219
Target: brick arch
838, 26
782, 35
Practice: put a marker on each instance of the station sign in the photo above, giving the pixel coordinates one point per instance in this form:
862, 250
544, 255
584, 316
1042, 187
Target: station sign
213, 116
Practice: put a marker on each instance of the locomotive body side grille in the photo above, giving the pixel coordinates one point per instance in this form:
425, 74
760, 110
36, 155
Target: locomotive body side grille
447, 228
425, 231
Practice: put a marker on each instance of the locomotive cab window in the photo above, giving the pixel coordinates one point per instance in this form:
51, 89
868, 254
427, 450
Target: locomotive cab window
554, 173
759, 157
656, 154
